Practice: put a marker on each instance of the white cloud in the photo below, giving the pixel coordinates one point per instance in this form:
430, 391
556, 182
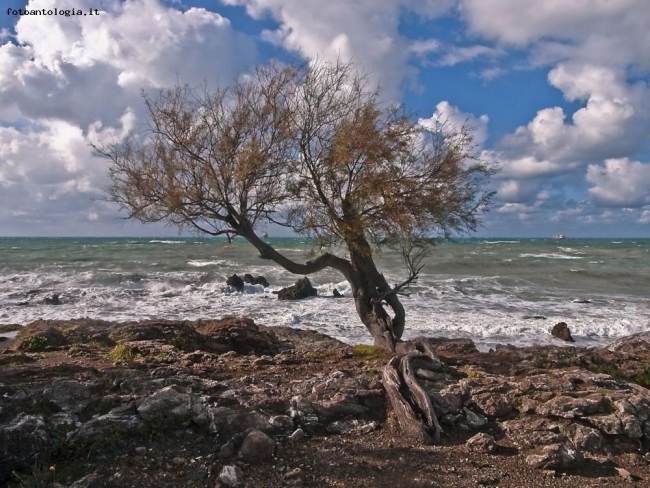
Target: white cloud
446, 113
67, 78
364, 31
620, 182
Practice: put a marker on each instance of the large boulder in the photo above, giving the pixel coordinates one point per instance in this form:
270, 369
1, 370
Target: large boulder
562, 332
167, 406
241, 335
302, 289
257, 447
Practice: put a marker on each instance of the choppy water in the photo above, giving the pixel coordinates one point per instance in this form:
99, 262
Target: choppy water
484, 289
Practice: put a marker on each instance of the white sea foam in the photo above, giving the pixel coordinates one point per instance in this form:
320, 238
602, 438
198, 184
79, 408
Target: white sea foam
159, 241
217, 262
548, 256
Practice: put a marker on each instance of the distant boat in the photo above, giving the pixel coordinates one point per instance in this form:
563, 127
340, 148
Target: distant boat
559, 238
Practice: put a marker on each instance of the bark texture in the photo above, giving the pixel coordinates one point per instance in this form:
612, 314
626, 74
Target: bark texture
411, 403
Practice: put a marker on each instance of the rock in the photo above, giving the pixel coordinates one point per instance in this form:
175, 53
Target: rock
302, 289
236, 282
493, 404
88, 481
282, 423
292, 474
69, 395
482, 442
108, 430
227, 450
297, 435
257, 447
240, 335
570, 407
336, 293
555, 456
474, 421
345, 427
168, 405
53, 299
248, 278
561, 331
22, 442
636, 343
260, 280
585, 438
230, 476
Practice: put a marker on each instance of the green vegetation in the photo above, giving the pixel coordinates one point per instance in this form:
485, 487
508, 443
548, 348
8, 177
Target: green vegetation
370, 352
35, 344
123, 354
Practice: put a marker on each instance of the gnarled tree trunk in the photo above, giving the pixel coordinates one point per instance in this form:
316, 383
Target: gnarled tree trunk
411, 403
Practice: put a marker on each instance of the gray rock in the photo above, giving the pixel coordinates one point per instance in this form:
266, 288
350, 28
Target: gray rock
555, 456
22, 441
585, 438
608, 424
107, 429
282, 423
168, 404
257, 447
570, 407
227, 450
197, 474
70, 396
88, 481
297, 435
230, 476
493, 404
482, 442
474, 421
344, 427
562, 332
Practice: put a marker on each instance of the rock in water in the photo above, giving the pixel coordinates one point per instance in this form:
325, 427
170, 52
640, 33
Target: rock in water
561, 331
302, 289
236, 282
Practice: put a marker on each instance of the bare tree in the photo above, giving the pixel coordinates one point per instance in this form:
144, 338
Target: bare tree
312, 149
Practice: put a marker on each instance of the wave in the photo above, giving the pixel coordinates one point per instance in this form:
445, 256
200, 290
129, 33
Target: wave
219, 262
548, 256
501, 242
158, 241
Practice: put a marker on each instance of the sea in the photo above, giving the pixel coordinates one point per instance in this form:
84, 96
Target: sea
493, 291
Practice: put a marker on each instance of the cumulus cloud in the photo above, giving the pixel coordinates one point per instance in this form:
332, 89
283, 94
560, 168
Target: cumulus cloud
65, 79
364, 31
447, 114
620, 182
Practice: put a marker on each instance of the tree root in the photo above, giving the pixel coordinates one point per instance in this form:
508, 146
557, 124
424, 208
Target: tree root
410, 402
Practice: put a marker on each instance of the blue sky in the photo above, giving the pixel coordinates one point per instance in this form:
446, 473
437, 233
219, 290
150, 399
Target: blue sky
558, 92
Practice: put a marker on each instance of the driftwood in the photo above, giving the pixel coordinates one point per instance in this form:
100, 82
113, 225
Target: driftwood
411, 403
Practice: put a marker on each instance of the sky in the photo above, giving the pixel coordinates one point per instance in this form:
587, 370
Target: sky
557, 90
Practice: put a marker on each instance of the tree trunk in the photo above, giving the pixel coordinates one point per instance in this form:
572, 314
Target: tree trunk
411, 403
368, 287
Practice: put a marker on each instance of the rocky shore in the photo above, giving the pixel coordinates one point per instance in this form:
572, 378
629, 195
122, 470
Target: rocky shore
86, 403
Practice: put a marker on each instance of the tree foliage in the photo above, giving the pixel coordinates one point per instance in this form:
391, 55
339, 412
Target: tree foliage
312, 149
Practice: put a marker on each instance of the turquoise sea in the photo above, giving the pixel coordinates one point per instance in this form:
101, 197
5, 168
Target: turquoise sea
500, 290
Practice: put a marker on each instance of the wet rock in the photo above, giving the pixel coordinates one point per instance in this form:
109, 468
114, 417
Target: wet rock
22, 441
230, 476
302, 289
482, 442
257, 447
261, 280
236, 282
53, 299
336, 293
561, 331
555, 456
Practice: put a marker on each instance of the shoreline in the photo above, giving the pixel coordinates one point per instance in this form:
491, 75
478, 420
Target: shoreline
174, 403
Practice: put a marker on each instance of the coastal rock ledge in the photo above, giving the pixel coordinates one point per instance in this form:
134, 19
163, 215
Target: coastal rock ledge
232, 403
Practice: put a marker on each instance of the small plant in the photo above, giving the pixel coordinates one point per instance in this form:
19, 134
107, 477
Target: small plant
35, 344
123, 354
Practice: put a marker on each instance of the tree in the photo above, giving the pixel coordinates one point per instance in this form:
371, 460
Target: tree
312, 149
